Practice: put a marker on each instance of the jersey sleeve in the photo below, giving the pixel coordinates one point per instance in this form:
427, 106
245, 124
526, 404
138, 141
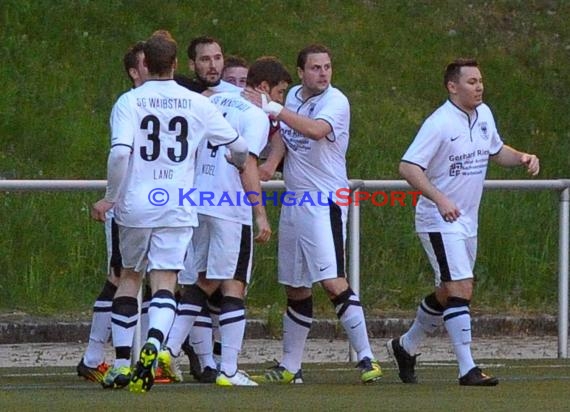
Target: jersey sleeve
425, 145
123, 123
496, 140
255, 130
336, 112
219, 131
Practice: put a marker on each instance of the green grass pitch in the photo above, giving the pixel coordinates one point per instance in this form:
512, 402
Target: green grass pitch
528, 385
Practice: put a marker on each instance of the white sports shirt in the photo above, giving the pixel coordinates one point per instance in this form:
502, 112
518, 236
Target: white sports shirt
454, 152
312, 165
163, 124
215, 175
224, 87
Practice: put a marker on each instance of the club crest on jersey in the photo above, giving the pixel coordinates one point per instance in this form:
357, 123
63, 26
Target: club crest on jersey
484, 130
311, 109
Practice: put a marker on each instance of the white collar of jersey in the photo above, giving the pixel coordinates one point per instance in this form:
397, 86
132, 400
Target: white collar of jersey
159, 79
315, 96
457, 108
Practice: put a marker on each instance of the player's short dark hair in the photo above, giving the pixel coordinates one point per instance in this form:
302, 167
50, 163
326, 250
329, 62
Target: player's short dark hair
268, 69
235, 61
130, 60
198, 41
311, 49
160, 53
453, 69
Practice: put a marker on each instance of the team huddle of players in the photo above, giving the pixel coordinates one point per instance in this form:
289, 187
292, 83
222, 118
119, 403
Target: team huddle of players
236, 129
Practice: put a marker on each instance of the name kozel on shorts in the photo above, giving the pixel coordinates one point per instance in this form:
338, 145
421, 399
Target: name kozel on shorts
342, 197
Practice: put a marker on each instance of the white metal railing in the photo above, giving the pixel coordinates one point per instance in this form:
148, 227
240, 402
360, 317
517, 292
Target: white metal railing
561, 185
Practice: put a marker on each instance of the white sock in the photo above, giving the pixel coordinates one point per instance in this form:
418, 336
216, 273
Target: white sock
124, 318
350, 313
181, 327
100, 326
457, 322
99, 335
161, 313
189, 308
201, 341
217, 344
426, 322
296, 328
232, 328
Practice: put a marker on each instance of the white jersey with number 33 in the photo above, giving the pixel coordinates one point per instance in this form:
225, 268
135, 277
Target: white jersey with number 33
163, 124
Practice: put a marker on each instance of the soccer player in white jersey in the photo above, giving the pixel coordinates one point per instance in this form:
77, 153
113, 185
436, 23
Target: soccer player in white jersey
155, 131
447, 162
223, 242
92, 365
315, 127
235, 71
206, 60
204, 357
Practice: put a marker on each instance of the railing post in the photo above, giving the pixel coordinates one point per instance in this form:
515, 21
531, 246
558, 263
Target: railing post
563, 273
354, 249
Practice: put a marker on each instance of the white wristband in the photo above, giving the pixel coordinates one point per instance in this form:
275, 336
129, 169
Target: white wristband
272, 108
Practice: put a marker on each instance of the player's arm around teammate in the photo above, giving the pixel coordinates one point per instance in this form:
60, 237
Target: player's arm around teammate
276, 148
315, 128
252, 185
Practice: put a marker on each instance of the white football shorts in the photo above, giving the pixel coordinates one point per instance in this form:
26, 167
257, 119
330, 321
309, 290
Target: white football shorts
311, 244
451, 255
163, 248
222, 248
